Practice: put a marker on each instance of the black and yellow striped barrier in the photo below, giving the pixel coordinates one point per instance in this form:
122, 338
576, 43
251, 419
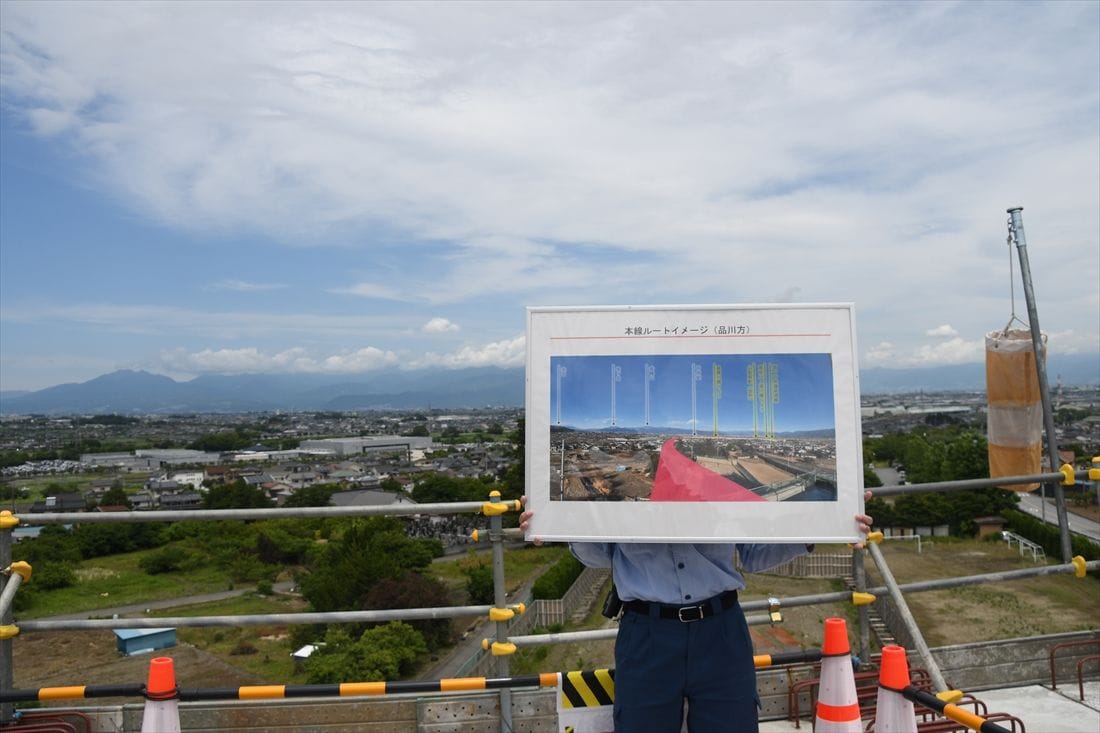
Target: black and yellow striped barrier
279, 692
588, 689
950, 710
585, 685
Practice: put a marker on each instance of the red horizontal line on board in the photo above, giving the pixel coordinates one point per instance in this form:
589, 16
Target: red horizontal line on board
715, 336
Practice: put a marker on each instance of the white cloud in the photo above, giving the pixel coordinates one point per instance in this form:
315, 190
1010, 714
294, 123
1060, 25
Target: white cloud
380, 292
251, 360
587, 153
508, 353
950, 351
242, 286
438, 325
945, 331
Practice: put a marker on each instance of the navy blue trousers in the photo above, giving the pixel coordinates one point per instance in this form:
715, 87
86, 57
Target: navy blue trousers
659, 663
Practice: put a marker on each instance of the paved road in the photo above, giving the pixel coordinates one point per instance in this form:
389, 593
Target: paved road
1033, 504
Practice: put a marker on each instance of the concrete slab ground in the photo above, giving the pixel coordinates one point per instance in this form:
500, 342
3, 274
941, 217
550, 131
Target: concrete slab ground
1041, 709
1048, 711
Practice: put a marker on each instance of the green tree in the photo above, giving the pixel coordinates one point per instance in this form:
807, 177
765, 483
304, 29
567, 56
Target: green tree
415, 590
116, 496
316, 495
99, 540
367, 552
383, 653
236, 495
276, 544
479, 583
390, 484
225, 440
435, 488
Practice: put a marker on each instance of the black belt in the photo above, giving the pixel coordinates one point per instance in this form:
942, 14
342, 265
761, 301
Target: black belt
704, 609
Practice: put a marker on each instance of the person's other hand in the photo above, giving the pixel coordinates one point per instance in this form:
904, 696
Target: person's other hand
864, 521
525, 521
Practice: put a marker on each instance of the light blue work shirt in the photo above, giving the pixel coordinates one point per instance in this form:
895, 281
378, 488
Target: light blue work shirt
680, 574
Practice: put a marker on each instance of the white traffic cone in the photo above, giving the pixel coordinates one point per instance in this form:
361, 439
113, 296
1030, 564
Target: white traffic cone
837, 704
894, 713
162, 713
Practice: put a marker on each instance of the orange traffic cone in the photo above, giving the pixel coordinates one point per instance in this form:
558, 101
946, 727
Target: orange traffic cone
162, 713
837, 704
894, 714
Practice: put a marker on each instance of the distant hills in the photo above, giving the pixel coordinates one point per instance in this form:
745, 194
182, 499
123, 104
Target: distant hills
139, 392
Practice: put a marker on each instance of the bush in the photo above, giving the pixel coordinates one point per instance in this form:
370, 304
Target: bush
383, 653
164, 560
50, 576
479, 584
556, 581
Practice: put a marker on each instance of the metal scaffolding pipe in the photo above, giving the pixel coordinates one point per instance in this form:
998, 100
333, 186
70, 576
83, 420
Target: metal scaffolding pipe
565, 637
818, 598
263, 619
1016, 224
194, 515
413, 614
7, 595
7, 675
907, 619
976, 483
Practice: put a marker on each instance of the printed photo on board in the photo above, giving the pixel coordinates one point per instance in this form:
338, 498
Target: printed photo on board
692, 427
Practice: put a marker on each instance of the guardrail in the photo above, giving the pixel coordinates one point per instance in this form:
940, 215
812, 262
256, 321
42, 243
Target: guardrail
500, 612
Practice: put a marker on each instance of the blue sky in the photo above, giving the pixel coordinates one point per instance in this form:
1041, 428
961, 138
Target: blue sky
337, 188
805, 392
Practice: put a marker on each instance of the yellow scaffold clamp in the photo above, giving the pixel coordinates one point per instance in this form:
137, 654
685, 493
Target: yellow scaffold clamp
1079, 566
950, 696
20, 568
1068, 477
7, 632
495, 507
1094, 472
862, 599
875, 537
501, 614
8, 520
499, 648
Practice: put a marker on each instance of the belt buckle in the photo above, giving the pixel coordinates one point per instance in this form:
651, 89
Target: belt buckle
696, 614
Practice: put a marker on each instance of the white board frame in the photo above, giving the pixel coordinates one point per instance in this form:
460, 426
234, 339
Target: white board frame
688, 330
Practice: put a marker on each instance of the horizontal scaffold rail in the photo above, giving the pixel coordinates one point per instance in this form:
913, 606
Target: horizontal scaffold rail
196, 515
859, 598
343, 689
417, 614
266, 619
1061, 477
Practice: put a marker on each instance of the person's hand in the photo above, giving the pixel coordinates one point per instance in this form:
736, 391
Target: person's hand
864, 521
525, 521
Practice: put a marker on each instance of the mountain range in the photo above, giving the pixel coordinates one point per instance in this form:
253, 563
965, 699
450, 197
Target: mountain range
140, 392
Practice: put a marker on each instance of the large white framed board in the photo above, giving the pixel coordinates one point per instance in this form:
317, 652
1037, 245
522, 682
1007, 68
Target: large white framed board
693, 423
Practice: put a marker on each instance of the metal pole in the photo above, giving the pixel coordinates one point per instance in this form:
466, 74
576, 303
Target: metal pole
1017, 224
7, 593
907, 619
496, 537
833, 597
975, 483
259, 619
859, 574
7, 675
